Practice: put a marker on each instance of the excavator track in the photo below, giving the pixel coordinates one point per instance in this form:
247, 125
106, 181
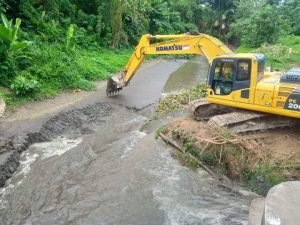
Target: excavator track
235, 120
201, 109
245, 121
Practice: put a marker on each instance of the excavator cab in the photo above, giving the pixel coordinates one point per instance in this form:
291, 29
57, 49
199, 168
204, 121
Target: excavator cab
232, 76
223, 73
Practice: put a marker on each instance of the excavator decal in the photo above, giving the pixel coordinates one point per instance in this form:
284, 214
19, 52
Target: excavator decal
172, 48
293, 101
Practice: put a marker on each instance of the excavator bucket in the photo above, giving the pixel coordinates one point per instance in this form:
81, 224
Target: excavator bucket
113, 85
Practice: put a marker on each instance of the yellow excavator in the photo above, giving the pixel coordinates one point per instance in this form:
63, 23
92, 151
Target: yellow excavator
241, 95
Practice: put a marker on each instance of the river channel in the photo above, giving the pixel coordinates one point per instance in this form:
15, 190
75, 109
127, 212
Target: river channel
98, 165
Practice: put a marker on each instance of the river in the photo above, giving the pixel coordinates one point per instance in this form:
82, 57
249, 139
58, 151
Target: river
99, 165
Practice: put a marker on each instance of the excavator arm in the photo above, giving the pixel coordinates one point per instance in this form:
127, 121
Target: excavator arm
201, 44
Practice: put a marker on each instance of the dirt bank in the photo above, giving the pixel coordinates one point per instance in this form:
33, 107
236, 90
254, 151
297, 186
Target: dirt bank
261, 160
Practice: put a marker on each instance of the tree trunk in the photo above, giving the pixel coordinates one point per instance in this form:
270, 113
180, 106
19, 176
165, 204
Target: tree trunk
117, 10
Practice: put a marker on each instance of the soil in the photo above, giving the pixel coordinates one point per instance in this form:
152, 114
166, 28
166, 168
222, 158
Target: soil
274, 146
196, 128
282, 145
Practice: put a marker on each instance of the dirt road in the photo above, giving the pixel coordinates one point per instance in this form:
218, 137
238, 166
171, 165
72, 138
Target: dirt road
92, 162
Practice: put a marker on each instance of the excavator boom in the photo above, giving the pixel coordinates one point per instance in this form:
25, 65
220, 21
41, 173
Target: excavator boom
201, 44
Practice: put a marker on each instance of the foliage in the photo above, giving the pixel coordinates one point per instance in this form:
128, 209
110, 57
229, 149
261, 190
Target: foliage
291, 11
261, 27
281, 56
70, 45
262, 178
182, 98
53, 61
8, 38
160, 130
24, 86
3, 6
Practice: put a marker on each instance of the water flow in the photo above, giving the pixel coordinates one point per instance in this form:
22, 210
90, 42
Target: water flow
116, 175
190, 74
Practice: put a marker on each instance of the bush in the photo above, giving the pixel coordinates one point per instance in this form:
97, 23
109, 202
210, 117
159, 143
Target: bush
24, 86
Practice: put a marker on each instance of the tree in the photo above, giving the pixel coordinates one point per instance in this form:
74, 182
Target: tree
291, 10
116, 24
261, 27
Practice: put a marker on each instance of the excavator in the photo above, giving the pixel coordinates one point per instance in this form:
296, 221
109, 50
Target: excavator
242, 96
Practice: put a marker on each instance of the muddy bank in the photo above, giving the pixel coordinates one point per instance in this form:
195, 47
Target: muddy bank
71, 124
261, 160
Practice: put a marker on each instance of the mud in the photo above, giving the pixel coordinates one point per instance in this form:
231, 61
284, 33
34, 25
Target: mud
98, 163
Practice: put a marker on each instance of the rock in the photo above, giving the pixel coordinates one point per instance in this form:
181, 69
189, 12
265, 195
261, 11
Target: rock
282, 205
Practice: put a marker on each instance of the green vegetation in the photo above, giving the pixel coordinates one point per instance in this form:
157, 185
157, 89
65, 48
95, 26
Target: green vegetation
55, 70
262, 178
48, 46
280, 56
159, 131
181, 99
262, 26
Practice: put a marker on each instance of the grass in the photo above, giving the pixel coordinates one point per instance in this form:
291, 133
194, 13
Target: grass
11, 99
281, 56
262, 178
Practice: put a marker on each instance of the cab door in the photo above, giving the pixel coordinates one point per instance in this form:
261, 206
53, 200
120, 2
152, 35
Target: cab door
242, 81
230, 79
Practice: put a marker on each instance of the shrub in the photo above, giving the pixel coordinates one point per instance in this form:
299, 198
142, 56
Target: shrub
24, 86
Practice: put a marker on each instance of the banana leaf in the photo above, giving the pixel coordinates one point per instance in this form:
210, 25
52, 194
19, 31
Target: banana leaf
5, 35
19, 45
5, 21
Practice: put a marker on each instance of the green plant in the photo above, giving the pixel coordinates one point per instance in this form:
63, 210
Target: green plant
160, 130
182, 98
70, 45
8, 38
262, 178
22, 85
192, 163
3, 6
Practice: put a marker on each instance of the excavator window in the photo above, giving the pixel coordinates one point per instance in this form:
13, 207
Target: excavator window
223, 77
243, 70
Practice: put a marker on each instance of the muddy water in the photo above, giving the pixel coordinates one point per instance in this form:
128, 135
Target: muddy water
193, 72
100, 167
